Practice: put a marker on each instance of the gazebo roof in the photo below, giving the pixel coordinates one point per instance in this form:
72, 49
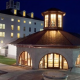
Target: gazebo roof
50, 37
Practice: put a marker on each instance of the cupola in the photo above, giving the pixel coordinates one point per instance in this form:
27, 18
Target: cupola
53, 18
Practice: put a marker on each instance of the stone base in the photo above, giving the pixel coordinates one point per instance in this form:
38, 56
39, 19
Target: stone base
76, 70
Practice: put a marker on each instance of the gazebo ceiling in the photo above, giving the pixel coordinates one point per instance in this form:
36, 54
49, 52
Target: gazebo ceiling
51, 37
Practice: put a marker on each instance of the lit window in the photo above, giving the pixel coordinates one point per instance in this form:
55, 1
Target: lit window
18, 28
46, 20
24, 21
24, 13
53, 20
15, 11
2, 18
12, 27
59, 20
18, 20
2, 26
29, 22
41, 29
32, 15
12, 19
1, 41
18, 35
12, 35
2, 34
41, 24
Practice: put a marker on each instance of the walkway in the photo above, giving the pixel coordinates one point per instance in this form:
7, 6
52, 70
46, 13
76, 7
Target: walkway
16, 73
13, 72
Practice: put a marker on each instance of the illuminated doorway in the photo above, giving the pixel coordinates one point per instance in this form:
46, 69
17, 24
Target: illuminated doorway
25, 59
53, 61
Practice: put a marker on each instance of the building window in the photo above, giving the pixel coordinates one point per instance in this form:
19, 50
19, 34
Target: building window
12, 19
2, 34
18, 35
35, 23
32, 15
53, 20
41, 29
18, 28
1, 41
15, 11
78, 60
59, 20
41, 24
12, 35
46, 20
18, 20
34, 29
24, 13
2, 18
25, 59
24, 35
53, 60
24, 21
12, 27
2, 26
29, 29
29, 22
24, 29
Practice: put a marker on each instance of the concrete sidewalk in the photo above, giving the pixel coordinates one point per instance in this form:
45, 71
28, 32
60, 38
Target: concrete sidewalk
13, 72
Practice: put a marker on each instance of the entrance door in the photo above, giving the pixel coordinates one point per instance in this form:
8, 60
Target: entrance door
56, 61
50, 60
53, 61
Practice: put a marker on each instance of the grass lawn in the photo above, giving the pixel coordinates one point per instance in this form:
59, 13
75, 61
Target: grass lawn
7, 61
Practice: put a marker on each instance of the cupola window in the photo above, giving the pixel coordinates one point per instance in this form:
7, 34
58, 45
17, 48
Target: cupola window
46, 20
59, 20
53, 20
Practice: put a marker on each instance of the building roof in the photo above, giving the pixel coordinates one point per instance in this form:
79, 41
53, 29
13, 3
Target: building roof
51, 37
9, 12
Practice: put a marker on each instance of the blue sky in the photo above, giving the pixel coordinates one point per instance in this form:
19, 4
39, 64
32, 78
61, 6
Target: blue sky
71, 7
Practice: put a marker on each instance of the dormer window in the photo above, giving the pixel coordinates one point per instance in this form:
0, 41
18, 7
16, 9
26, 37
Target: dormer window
53, 20
15, 11
46, 20
24, 13
32, 15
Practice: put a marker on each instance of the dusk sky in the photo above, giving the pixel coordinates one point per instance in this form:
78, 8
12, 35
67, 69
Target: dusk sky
71, 7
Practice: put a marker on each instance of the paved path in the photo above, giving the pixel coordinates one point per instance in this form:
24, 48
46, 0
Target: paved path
13, 72
16, 73
37, 75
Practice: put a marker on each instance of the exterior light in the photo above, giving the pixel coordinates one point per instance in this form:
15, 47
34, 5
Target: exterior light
64, 14
29, 22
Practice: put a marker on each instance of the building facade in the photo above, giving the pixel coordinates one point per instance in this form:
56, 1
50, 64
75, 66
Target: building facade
51, 48
16, 24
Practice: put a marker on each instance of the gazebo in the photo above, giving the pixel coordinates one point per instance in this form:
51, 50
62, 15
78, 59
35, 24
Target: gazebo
51, 48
